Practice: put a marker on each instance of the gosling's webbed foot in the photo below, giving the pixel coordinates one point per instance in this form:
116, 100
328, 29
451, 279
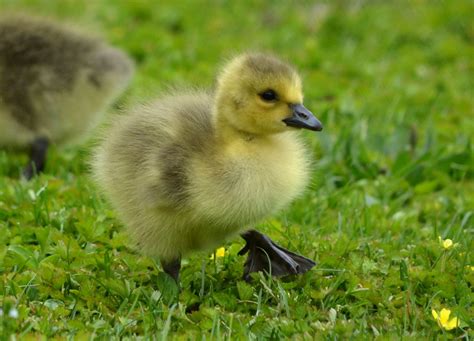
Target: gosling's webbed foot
172, 268
37, 161
265, 255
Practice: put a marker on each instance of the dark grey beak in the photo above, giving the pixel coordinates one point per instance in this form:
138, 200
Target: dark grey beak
303, 118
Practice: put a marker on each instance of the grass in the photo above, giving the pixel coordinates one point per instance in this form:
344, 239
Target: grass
393, 84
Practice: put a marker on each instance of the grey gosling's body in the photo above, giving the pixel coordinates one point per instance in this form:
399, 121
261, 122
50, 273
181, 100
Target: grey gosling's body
193, 169
54, 84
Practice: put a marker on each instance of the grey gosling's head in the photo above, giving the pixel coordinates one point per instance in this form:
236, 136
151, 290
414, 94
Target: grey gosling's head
55, 83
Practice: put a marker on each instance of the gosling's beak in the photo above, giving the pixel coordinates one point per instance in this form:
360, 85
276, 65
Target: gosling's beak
302, 118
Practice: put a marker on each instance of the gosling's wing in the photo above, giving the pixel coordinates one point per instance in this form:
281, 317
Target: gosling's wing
190, 131
147, 153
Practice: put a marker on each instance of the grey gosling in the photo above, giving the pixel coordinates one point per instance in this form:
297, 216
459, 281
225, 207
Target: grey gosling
192, 169
54, 85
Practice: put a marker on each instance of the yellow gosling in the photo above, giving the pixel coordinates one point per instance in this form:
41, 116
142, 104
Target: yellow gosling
192, 169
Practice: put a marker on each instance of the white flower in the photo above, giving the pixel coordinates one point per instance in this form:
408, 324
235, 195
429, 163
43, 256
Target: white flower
13, 313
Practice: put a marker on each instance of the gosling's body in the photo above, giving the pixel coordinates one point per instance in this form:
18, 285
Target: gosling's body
55, 83
179, 186
185, 174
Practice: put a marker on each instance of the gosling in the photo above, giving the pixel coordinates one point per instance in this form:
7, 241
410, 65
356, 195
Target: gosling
195, 168
54, 85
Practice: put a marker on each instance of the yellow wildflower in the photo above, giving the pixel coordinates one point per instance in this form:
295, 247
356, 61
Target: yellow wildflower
447, 243
220, 252
443, 319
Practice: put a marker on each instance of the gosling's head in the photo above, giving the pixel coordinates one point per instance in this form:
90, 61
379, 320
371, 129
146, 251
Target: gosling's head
259, 94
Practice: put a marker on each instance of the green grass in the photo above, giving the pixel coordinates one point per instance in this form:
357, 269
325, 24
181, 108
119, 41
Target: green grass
393, 83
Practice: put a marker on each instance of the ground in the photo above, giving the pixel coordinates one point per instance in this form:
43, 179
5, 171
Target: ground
392, 82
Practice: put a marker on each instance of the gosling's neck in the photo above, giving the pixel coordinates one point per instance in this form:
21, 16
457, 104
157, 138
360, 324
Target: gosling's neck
226, 133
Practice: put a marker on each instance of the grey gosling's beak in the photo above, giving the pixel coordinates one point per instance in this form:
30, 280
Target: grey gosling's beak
303, 118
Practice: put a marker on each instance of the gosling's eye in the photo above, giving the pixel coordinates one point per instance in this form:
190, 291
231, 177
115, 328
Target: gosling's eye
269, 95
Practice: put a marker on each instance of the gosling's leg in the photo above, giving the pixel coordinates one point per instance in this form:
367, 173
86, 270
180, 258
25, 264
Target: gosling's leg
265, 255
37, 161
172, 268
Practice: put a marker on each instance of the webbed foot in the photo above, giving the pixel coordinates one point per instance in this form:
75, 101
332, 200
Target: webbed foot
265, 255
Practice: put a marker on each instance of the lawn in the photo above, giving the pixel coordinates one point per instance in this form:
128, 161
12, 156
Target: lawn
393, 84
